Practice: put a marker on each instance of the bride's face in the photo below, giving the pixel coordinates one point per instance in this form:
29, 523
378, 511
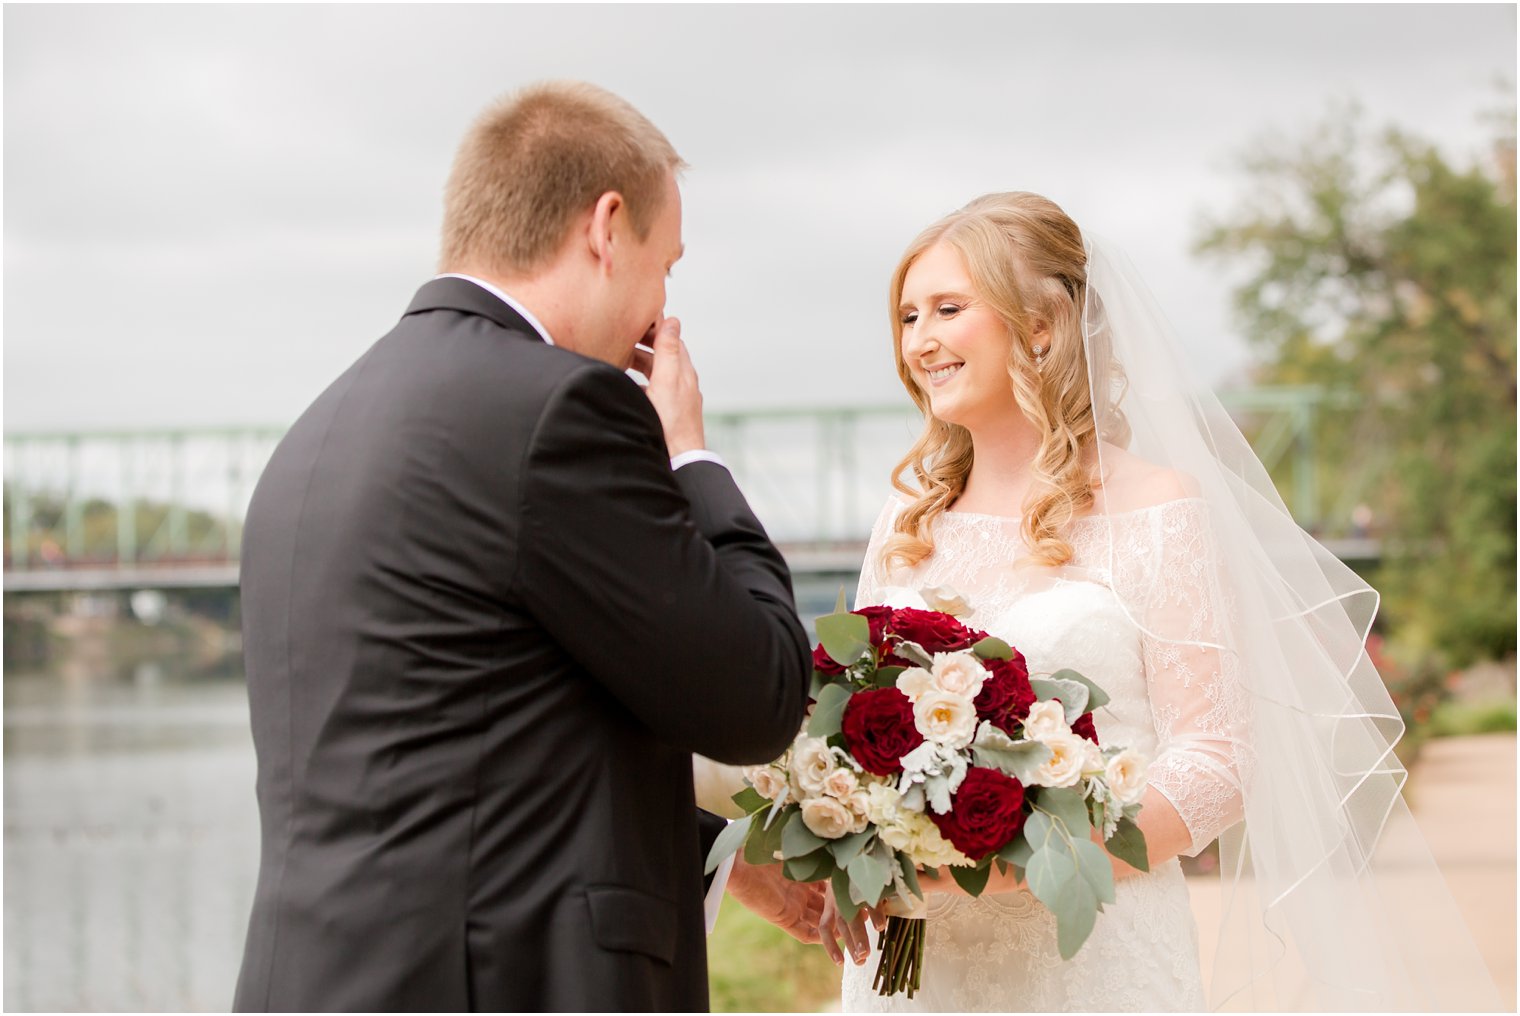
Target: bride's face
954, 344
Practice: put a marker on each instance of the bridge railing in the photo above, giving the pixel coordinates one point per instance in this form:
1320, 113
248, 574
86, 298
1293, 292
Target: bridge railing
816, 477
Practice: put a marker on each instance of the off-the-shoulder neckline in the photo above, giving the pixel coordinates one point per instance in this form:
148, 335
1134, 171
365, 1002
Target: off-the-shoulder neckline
1085, 518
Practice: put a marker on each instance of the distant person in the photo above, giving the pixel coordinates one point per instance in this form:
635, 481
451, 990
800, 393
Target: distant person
494, 598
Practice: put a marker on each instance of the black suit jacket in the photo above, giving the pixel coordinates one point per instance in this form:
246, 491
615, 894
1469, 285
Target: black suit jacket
485, 627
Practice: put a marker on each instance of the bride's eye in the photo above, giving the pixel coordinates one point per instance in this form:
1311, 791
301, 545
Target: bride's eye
948, 310
910, 317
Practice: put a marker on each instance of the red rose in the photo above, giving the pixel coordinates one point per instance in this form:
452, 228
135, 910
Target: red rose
985, 813
936, 632
878, 618
1006, 695
879, 730
1083, 725
824, 662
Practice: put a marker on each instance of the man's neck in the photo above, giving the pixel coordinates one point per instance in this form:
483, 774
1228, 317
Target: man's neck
539, 295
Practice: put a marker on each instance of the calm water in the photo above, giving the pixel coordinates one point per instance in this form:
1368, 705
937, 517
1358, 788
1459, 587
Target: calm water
131, 839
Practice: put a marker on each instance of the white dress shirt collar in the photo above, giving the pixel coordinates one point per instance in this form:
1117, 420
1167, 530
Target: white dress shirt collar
527, 314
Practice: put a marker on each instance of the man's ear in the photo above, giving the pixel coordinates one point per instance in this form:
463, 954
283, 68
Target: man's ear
606, 222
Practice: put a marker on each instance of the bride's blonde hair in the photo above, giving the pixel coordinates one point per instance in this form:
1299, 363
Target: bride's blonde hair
1026, 260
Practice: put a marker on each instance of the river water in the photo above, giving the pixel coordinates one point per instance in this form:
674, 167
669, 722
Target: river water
131, 839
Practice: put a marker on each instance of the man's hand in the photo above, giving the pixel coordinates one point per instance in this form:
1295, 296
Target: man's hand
673, 389
794, 907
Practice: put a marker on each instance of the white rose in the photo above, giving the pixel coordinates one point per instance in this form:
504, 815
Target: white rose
812, 761
1045, 719
859, 805
945, 718
946, 601
914, 681
928, 846
1068, 757
768, 783
959, 674
1125, 775
826, 817
840, 784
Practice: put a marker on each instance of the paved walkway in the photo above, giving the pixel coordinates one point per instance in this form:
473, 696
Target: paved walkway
1462, 792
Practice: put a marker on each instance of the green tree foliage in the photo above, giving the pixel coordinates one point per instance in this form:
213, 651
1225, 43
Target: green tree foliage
1375, 265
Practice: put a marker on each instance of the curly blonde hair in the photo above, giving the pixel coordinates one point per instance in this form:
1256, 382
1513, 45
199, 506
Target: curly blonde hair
1026, 259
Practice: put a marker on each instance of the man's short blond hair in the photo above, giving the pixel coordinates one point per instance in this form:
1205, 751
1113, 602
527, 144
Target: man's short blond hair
538, 158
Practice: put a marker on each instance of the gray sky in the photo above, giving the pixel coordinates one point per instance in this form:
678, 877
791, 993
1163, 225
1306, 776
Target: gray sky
211, 211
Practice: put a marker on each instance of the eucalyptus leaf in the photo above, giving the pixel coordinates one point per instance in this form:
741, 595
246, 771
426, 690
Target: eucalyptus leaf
994, 749
1068, 806
973, 880
886, 677
992, 648
1096, 869
1128, 845
819, 682
840, 607
727, 842
763, 841
1073, 695
910, 875
847, 906
848, 848
845, 637
1096, 696
870, 876
1017, 852
797, 839
828, 714
750, 801
1076, 910
814, 867
1048, 871
1038, 830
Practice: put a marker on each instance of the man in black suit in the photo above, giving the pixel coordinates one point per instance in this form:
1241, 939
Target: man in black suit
494, 597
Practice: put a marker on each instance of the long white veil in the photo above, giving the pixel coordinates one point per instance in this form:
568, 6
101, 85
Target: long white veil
1331, 900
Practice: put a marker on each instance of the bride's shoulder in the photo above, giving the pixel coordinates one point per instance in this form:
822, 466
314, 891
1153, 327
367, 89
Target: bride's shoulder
1130, 483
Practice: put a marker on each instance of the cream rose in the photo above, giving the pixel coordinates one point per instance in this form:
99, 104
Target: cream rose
946, 601
959, 674
1125, 775
859, 805
768, 782
827, 818
882, 803
812, 761
840, 784
945, 718
1068, 757
1045, 719
914, 681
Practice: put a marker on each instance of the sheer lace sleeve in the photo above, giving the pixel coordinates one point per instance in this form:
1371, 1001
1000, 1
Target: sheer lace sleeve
1198, 703
873, 570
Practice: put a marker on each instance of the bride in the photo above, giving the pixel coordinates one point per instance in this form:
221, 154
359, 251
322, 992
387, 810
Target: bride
1079, 499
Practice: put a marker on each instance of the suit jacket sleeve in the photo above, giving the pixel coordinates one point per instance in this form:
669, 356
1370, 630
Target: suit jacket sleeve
666, 591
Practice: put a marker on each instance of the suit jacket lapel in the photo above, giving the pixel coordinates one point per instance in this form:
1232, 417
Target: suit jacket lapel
468, 298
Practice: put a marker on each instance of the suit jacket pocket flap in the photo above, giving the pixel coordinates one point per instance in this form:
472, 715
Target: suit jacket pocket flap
628, 920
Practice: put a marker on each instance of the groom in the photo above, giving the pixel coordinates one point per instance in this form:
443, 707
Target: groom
494, 597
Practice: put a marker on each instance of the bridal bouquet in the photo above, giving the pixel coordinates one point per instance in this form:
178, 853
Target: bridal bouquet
930, 746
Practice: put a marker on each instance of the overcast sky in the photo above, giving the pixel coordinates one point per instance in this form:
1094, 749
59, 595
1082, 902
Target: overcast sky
211, 211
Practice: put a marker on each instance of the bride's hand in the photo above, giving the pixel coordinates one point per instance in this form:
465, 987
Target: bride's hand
852, 933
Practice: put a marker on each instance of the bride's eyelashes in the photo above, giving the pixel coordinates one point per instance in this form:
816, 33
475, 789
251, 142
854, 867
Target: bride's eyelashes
944, 310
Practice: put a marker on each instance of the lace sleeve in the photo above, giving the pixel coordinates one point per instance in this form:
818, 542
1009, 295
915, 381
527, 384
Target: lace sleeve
873, 570
1198, 703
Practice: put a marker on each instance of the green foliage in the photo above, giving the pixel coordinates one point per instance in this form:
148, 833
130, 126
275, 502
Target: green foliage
1379, 268
753, 966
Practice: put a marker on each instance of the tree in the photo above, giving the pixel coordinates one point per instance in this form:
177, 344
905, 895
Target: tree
1375, 265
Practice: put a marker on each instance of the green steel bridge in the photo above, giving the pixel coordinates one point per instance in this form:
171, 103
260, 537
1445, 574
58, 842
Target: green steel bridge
162, 509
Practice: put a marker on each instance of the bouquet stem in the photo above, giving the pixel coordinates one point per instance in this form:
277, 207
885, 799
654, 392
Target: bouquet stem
902, 956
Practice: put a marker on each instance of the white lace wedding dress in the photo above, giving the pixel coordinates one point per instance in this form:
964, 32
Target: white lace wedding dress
1174, 701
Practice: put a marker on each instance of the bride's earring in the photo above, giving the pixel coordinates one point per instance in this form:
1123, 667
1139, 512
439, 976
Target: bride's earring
1039, 357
